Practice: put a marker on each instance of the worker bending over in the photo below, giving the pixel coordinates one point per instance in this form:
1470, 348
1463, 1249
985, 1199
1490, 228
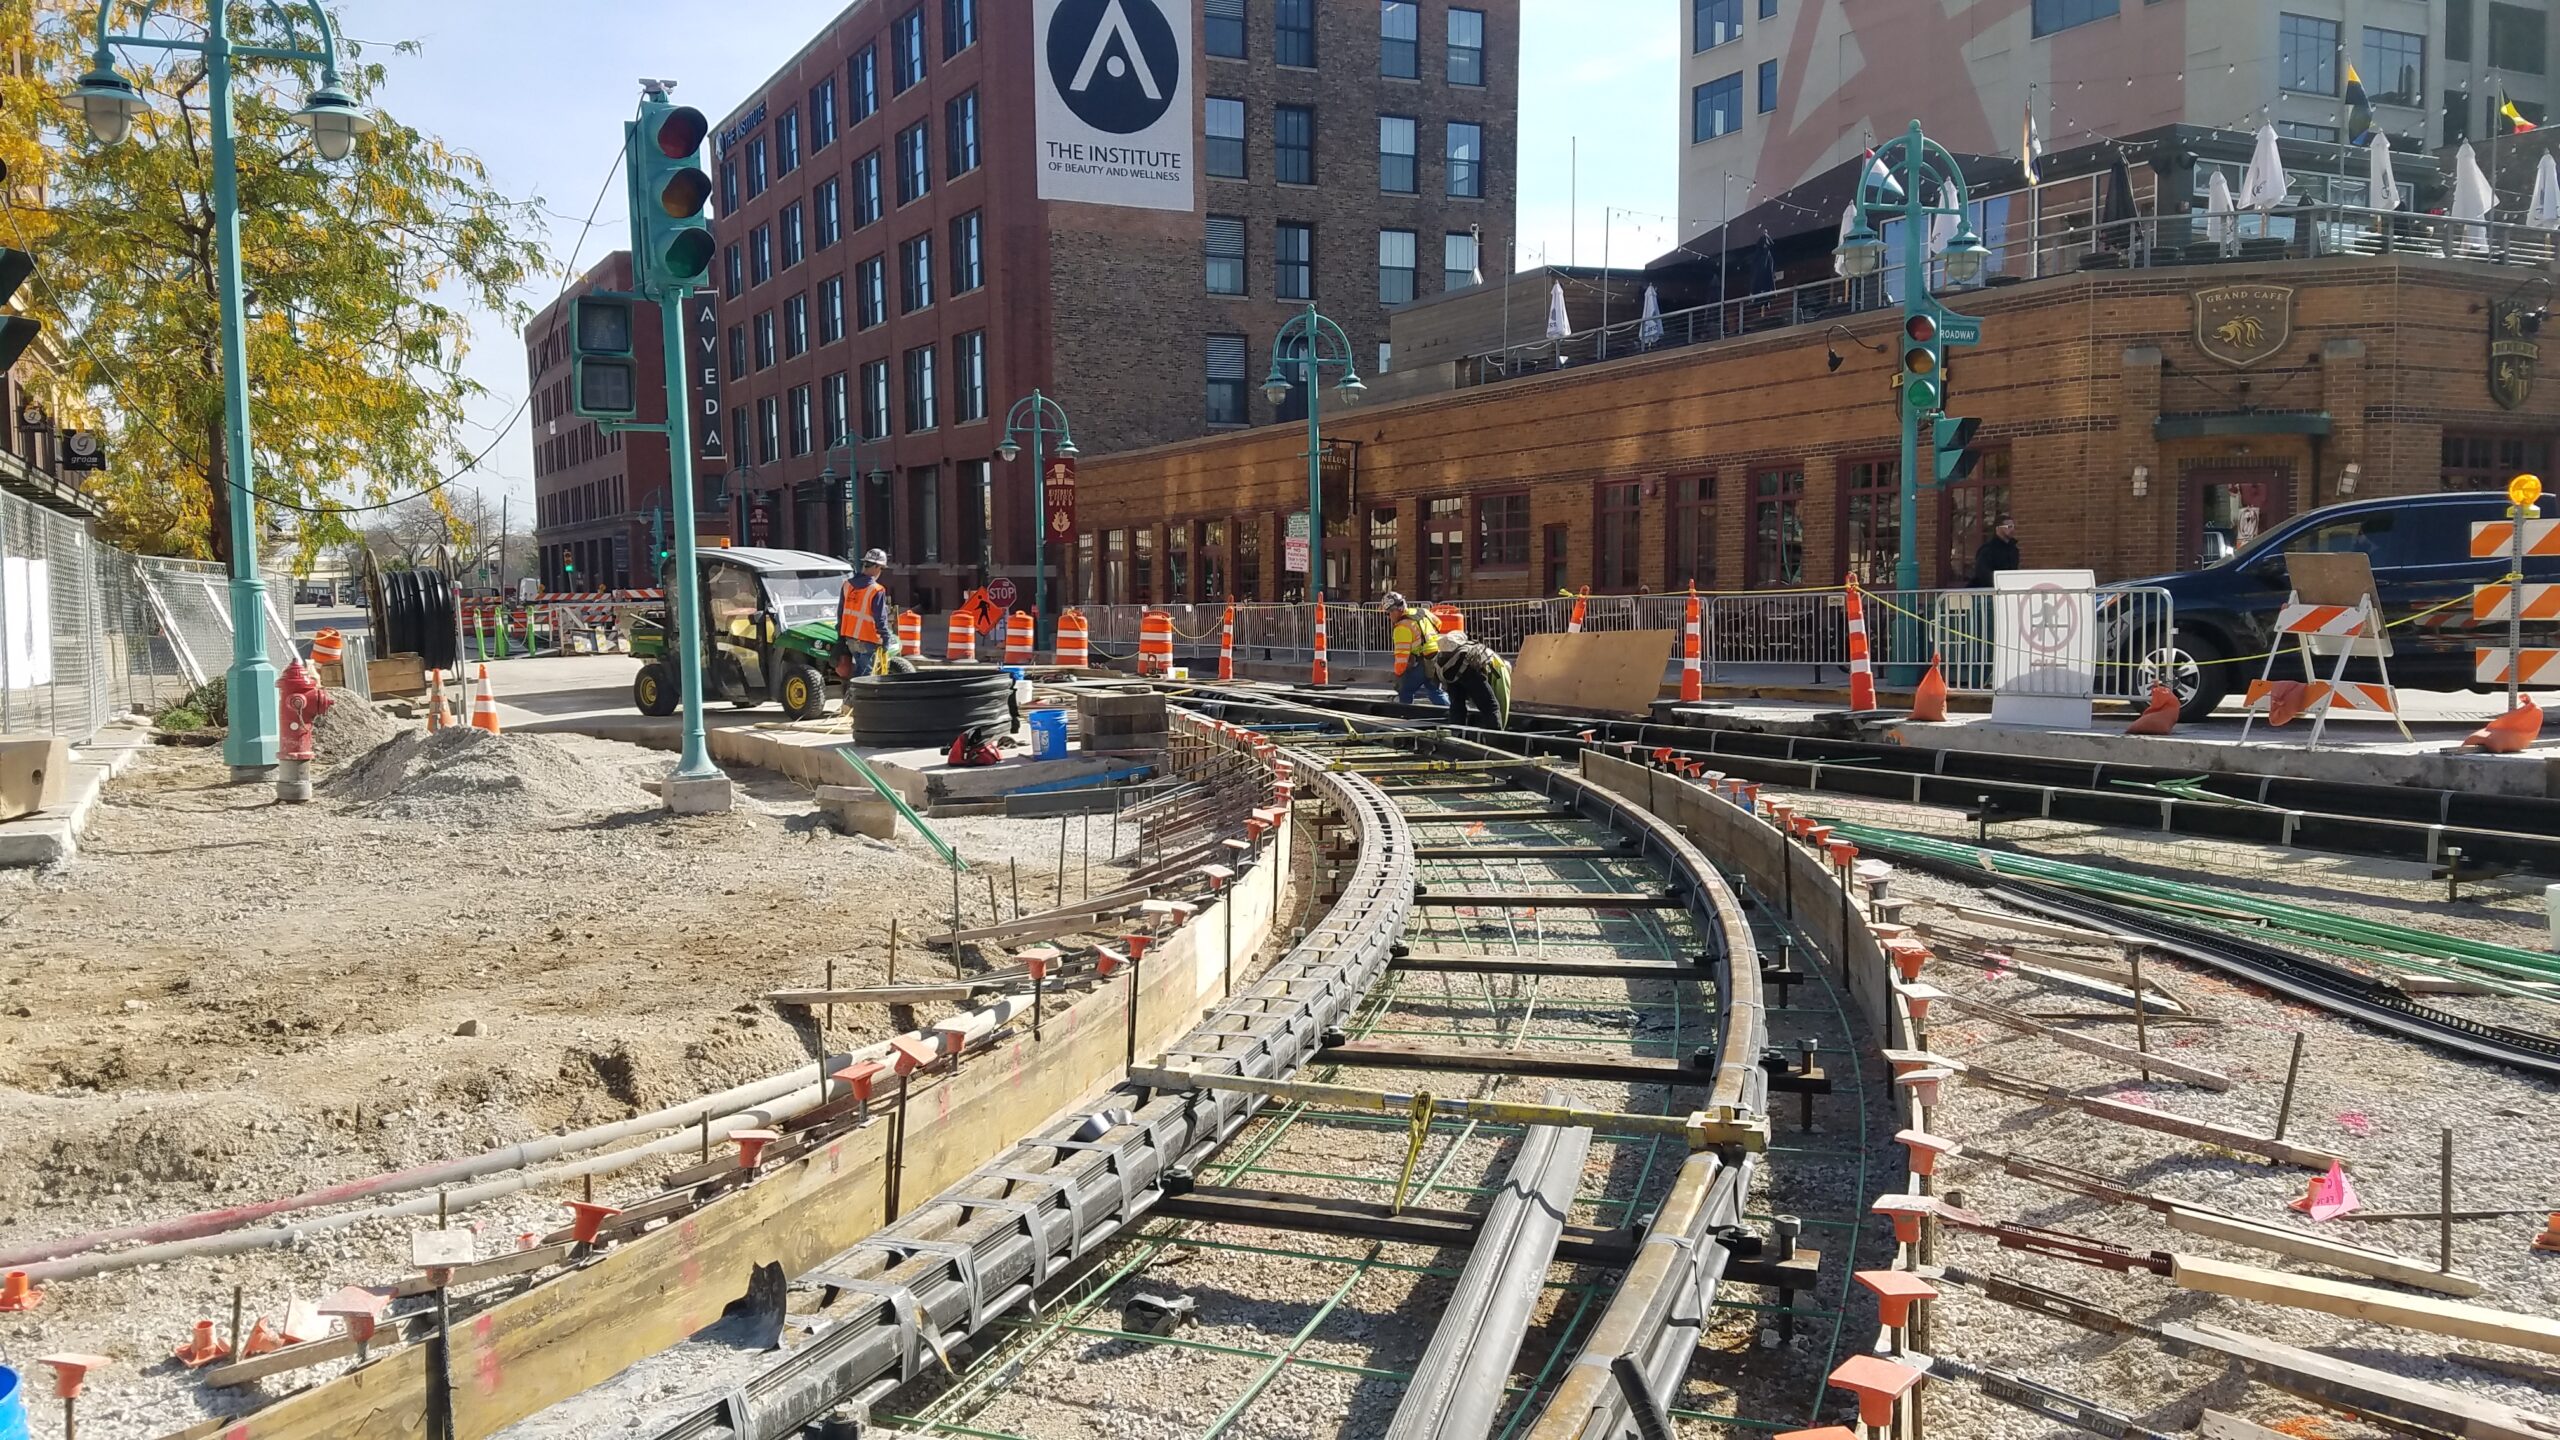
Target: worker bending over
1416, 649
866, 630
1478, 679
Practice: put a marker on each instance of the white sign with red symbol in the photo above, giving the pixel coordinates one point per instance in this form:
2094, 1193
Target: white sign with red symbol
2044, 661
1001, 591
1293, 546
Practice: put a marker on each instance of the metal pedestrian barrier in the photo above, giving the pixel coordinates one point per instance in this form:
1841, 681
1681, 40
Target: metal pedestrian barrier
80, 639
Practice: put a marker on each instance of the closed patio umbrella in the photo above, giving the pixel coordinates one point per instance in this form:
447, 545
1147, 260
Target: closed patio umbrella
1649, 321
1558, 326
2472, 201
2544, 212
2221, 216
2379, 176
2265, 185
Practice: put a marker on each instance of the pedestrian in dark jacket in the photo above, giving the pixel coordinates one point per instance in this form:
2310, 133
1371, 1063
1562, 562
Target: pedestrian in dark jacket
1997, 554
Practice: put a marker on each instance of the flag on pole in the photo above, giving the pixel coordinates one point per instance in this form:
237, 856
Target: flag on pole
2031, 145
1877, 175
2359, 108
2516, 123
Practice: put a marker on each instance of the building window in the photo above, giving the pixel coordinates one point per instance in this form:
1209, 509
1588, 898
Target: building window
2457, 30
1768, 77
755, 167
1613, 550
769, 430
1400, 39
822, 114
960, 135
2517, 38
870, 292
738, 432
1142, 565
1226, 357
915, 273
793, 236
915, 163
737, 351
1777, 530
1382, 548
906, 52
2300, 130
2307, 54
1293, 33
1692, 557
969, 377
1225, 34
764, 341
1395, 266
1386, 356
924, 512
866, 190
2488, 462
728, 187
1395, 155
733, 264
1466, 160
1226, 138
1293, 144
1458, 260
2054, 16
1293, 247
1769, 8
1715, 108
1444, 548
968, 253
831, 310
1226, 254
2395, 67
795, 327
1967, 513
786, 140
1871, 496
1713, 23
875, 399
829, 198
1502, 531
1466, 47
959, 26
802, 421
862, 81
760, 254
836, 409
922, 411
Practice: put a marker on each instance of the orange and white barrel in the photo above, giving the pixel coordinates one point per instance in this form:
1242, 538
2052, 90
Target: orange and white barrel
1323, 674
1693, 685
1862, 674
1155, 643
910, 633
1018, 638
1581, 604
1072, 651
960, 642
1227, 644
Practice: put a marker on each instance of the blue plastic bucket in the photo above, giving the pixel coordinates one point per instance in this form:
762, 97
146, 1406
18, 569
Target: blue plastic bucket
1018, 672
13, 1405
1048, 742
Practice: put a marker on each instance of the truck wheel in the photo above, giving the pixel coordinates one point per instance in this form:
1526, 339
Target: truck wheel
654, 690
2196, 670
803, 692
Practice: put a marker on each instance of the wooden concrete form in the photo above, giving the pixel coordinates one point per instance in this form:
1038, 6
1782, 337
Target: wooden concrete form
2364, 1302
2125, 1055
2360, 1387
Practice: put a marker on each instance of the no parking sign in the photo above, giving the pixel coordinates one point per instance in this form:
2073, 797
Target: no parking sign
2044, 668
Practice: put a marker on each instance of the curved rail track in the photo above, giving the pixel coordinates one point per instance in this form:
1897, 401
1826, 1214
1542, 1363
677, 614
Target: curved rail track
1515, 968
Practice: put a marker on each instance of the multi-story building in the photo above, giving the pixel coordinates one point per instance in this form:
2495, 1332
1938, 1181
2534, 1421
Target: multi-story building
600, 500
925, 215
1779, 91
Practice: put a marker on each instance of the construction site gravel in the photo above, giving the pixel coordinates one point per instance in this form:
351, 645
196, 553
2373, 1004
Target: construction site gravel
466, 941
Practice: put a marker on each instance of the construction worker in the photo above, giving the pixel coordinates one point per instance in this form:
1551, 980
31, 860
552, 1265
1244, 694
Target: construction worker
1478, 679
1415, 646
866, 630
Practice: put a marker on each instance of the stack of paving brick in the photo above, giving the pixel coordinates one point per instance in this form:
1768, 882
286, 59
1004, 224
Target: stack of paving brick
1117, 721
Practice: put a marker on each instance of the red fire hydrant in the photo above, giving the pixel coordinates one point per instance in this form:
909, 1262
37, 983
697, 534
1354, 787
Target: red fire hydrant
299, 702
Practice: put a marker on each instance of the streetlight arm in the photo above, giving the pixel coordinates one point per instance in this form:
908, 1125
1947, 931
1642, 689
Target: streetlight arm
326, 57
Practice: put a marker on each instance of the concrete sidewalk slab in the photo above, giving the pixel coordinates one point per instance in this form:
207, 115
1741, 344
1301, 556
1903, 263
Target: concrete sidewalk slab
51, 838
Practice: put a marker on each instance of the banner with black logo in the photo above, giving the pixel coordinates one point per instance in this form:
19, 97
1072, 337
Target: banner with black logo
1115, 109
702, 343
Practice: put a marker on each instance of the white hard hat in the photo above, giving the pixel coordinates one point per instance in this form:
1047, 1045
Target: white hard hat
875, 557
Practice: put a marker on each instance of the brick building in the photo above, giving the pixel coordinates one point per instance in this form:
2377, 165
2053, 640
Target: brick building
890, 280
600, 500
2108, 429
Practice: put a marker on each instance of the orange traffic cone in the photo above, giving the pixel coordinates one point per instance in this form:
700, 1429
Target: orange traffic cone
439, 714
2159, 717
1929, 701
484, 705
2510, 732
2329, 1195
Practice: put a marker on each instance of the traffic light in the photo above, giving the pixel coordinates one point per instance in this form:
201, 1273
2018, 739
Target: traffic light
670, 193
604, 376
17, 332
1956, 456
1923, 356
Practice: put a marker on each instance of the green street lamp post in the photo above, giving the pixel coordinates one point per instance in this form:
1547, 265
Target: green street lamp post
110, 104
1306, 347
1932, 186
1039, 417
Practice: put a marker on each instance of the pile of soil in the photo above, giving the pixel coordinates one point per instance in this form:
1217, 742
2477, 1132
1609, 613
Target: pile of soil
469, 778
352, 725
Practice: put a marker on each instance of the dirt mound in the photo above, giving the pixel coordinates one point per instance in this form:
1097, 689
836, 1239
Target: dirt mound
352, 725
470, 778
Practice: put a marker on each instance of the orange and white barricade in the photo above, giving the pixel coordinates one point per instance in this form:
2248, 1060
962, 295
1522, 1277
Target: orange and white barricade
1227, 644
2541, 668
1073, 653
1862, 670
1581, 604
960, 642
1322, 673
1155, 643
2345, 631
1693, 683
1449, 621
910, 634
1019, 636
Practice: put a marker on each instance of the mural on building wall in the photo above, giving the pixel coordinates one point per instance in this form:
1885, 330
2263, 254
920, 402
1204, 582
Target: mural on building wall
2515, 350
2240, 325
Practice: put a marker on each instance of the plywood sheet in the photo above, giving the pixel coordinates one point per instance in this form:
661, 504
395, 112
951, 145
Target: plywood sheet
1612, 672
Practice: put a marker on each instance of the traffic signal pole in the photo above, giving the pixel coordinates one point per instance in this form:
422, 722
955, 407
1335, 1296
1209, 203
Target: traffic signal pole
694, 764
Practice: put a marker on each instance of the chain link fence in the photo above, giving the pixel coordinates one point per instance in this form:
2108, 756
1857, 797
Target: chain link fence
82, 638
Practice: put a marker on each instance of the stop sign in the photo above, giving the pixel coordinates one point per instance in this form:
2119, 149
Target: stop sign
1001, 591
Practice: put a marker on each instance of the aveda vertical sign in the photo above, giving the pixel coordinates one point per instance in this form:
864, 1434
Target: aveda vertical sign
702, 343
1115, 107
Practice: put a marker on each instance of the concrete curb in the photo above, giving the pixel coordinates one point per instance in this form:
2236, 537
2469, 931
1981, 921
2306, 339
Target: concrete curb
50, 839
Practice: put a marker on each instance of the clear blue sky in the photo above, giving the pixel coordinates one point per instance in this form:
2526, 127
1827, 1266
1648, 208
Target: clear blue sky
538, 89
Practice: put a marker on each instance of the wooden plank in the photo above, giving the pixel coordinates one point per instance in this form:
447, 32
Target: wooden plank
2364, 1302
1098, 905
496, 1267
1447, 964
951, 994
2217, 1425
2144, 1117
1556, 899
2301, 1245
1543, 1064
2063, 972
1609, 672
2350, 1386
2125, 1055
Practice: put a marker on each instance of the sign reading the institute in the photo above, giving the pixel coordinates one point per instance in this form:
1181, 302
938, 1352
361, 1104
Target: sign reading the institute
2241, 325
1113, 83
2515, 350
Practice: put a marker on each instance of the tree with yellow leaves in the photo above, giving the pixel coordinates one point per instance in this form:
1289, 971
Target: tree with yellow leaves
358, 276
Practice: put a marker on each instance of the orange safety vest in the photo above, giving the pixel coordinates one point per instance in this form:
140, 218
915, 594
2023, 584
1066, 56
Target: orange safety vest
859, 610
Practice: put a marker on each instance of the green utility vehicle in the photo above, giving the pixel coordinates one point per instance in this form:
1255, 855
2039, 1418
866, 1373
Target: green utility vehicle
769, 622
